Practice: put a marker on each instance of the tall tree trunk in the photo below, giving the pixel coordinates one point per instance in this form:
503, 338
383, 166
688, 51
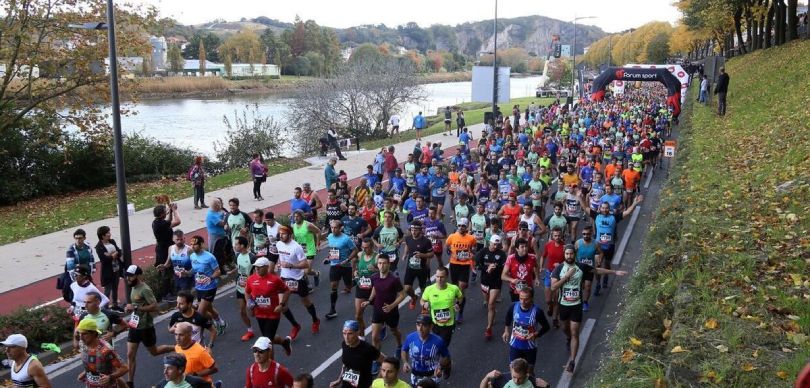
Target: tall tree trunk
780, 22
769, 24
792, 20
750, 27
738, 29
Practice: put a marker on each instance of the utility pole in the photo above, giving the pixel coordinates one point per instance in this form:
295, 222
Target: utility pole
495, 65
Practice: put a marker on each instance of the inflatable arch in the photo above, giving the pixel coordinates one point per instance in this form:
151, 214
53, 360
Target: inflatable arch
662, 75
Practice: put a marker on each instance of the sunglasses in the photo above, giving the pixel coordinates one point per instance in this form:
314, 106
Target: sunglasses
257, 350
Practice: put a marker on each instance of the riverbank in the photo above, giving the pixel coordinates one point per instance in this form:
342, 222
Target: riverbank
189, 87
720, 297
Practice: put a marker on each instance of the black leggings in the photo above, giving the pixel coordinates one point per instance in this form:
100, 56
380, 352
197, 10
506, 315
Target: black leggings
257, 187
199, 195
111, 290
268, 327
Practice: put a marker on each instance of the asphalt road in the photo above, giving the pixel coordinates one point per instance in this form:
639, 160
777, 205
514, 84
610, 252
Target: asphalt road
472, 356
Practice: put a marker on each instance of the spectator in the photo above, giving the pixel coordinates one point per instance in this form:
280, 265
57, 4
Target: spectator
112, 265
329, 172
331, 136
196, 174
390, 164
721, 90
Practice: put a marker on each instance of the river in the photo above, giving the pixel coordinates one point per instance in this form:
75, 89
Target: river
197, 123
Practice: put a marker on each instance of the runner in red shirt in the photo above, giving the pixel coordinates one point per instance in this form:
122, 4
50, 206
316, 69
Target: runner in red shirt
265, 372
262, 290
553, 254
521, 270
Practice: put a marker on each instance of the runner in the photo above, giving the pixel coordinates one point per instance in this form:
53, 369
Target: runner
186, 313
518, 377
525, 323
357, 359
424, 354
341, 252
237, 223
206, 272
355, 226
510, 214
557, 220
26, 370
309, 236
244, 267
141, 327
363, 266
294, 266
386, 294
478, 226
521, 270
574, 205
553, 254
102, 365
312, 199
174, 373
334, 209
418, 252
442, 301
388, 375
199, 362
388, 237
461, 245
106, 321
79, 289
525, 233
180, 262
606, 228
596, 192
265, 372
567, 278
490, 262
268, 296
587, 251
438, 189
297, 203
435, 232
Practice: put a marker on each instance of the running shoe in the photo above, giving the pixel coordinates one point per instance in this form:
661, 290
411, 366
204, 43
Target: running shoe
331, 315
248, 335
598, 290
488, 334
570, 367
384, 334
294, 332
224, 326
316, 327
287, 345
460, 318
585, 307
474, 276
316, 278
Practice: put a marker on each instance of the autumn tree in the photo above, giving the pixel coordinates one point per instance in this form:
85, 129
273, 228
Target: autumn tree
243, 47
202, 57
175, 57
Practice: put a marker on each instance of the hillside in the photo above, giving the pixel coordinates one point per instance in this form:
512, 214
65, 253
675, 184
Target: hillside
721, 296
532, 33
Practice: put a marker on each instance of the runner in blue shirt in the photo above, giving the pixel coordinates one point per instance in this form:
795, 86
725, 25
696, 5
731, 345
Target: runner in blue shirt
438, 187
527, 323
298, 203
339, 258
424, 354
205, 271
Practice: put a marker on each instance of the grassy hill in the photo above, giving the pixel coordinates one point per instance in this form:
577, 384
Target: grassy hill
722, 294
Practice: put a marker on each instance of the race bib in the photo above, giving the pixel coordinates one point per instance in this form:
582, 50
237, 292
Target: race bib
572, 208
440, 192
334, 255
463, 255
92, 379
520, 286
134, 320
571, 295
178, 271
78, 311
364, 283
479, 234
521, 332
351, 377
201, 279
605, 238
292, 284
442, 316
263, 301
415, 262
241, 281
511, 233
587, 261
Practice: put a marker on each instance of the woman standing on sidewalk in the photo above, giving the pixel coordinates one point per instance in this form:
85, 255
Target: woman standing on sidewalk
258, 171
112, 264
196, 174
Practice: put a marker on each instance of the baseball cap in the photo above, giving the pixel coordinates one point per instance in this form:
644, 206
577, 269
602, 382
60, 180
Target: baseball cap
88, 324
424, 319
352, 325
263, 343
523, 225
16, 340
82, 269
133, 270
495, 239
463, 221
261, 262
512, 195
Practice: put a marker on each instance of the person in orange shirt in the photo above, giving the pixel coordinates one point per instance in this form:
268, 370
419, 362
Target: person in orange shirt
461, 246
198, 359
631, 180
510, 214
571, 178
610, 169
453, 178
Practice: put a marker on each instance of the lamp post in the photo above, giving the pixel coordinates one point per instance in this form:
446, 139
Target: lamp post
574, 53
118, 144
495, 65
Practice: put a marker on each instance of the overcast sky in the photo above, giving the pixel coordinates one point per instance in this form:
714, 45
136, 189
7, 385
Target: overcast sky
612, 15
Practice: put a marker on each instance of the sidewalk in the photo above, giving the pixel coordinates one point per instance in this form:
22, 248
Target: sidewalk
31, 266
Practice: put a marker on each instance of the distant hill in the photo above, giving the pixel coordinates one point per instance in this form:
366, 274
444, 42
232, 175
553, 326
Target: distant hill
532, 33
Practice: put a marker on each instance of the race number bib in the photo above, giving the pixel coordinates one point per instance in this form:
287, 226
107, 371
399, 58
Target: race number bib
92, 379
520, 286
292, 284
463, 255
442, 316
262, 301
178, 271
364, 283
415, 262
485, 289
479, 234
241, 281
334, 255
587, 261
511, 233
521, 332
201, 279
440, 191
134, 320
571, 295
78, 311
605, 238
352, 377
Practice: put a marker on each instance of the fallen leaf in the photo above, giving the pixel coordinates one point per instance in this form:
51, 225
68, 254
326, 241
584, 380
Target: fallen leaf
711, 375
667, 323
678, 349
660, 383
628, 355
747, 367
755, 354
797, 279
722, 348
635, 341
711, 324
782, 375
666, 334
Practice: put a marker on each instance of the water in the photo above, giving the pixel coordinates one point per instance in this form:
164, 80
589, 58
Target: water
196, 123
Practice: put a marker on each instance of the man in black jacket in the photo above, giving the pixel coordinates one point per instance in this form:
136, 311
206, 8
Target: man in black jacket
720, 90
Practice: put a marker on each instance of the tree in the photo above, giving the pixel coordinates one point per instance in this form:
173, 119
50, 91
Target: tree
269, 43
366, 52
211, 43
658, 48
302, 66
202, 57
227, 65
298, 40
243, 47
176, 61
250, 132
71, 86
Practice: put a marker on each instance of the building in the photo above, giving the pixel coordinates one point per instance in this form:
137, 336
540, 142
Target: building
159, 52
192, 68
254, 70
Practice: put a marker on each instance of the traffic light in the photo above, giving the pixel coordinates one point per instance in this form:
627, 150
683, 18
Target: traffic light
557, 50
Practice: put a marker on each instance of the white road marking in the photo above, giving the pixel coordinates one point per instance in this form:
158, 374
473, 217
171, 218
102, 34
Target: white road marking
584, 336
617, 258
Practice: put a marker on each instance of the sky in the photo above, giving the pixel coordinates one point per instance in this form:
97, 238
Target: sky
611, 15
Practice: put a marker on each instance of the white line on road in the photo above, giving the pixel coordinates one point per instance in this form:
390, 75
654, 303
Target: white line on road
649, 178
617, 259
584, 336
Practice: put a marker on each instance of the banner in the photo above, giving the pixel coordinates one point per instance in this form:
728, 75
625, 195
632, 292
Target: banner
640, 74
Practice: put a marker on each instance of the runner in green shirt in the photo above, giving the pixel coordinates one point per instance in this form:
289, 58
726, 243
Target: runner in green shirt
363, 266
442, 300
244, 266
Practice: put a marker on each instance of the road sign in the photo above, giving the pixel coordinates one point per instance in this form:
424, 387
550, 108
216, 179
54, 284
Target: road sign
669, 148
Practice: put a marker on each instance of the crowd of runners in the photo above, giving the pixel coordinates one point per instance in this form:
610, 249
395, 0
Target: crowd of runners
529, 210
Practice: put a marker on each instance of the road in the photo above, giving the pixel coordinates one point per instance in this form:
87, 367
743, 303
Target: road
472, 356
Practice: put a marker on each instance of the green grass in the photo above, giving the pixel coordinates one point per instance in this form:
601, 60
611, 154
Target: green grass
725, 246
49, 214
473, 114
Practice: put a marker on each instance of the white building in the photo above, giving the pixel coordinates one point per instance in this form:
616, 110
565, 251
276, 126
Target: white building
159, 52
254, 70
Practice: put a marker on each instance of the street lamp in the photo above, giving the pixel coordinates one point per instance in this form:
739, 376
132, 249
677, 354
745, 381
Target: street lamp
574, 53
118, 145
495, 65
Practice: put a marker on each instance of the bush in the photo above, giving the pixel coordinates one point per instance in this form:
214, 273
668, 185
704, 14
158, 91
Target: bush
248, 135
46, 324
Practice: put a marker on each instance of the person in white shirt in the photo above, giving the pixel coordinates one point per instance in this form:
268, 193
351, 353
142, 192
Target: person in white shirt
294, 266
704, 90
80, 288
394, 121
